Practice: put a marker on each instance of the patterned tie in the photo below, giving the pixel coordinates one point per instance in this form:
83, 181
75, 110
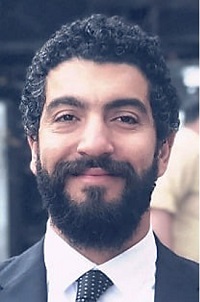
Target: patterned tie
92, 285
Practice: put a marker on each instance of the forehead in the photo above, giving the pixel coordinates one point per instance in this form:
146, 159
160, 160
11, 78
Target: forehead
96, 82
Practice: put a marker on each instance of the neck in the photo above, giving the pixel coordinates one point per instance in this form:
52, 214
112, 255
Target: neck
99, 256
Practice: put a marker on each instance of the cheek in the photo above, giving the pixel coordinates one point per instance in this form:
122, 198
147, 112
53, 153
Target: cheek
52, 152
141, 153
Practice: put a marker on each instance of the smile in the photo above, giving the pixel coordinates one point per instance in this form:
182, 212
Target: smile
95, 175
95, 172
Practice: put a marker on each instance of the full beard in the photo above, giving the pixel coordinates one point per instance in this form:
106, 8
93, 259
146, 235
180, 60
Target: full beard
95, 222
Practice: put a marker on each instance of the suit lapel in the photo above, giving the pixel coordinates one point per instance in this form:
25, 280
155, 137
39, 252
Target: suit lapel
27, 273
164, 276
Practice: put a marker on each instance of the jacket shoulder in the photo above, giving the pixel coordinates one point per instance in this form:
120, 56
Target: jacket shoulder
22, 261
22, 275
176, 277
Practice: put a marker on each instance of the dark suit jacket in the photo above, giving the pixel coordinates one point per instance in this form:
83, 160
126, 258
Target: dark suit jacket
23, 278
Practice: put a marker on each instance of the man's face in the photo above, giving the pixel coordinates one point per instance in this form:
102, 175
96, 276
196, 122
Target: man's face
95, 112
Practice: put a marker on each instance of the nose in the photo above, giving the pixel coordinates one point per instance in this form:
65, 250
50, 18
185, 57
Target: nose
95, 139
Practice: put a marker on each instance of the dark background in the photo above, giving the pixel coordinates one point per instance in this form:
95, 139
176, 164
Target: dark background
24, 26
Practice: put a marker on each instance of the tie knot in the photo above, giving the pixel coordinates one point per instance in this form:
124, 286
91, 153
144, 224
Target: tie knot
92, 285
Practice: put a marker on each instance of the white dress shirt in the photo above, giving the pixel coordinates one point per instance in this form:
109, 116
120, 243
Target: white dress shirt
132, 272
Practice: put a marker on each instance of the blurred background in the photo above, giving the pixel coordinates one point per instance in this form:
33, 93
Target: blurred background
24, 26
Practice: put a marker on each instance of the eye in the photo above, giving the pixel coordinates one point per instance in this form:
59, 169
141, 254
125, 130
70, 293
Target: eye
127, 119
66, 118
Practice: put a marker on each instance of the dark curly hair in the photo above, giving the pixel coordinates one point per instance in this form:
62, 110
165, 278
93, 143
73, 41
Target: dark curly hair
103, 39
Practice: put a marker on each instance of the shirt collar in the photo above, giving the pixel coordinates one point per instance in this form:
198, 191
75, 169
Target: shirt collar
62, 260
65, 265
137, 265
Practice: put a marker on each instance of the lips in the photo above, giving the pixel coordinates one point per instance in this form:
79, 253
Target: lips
95, 176
95, 172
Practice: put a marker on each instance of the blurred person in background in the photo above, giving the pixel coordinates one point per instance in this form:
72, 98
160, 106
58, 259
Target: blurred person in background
175, 200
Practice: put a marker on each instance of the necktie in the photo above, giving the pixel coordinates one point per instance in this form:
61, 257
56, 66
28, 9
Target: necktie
92, 285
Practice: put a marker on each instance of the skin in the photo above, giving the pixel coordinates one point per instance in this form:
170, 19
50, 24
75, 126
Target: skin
95, 109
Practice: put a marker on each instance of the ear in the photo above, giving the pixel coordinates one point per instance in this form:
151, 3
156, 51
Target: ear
164, 154
34, 154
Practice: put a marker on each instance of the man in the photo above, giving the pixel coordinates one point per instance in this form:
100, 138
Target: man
175, 201
100, 115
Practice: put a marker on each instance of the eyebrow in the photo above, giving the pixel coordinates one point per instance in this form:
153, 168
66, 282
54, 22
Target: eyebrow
70, 101
133, 102
74, 102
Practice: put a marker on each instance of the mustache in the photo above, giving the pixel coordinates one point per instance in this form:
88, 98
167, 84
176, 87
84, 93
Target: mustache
77, 167
80, 166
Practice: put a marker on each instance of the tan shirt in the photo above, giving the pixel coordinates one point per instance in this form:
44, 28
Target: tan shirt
178, 193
